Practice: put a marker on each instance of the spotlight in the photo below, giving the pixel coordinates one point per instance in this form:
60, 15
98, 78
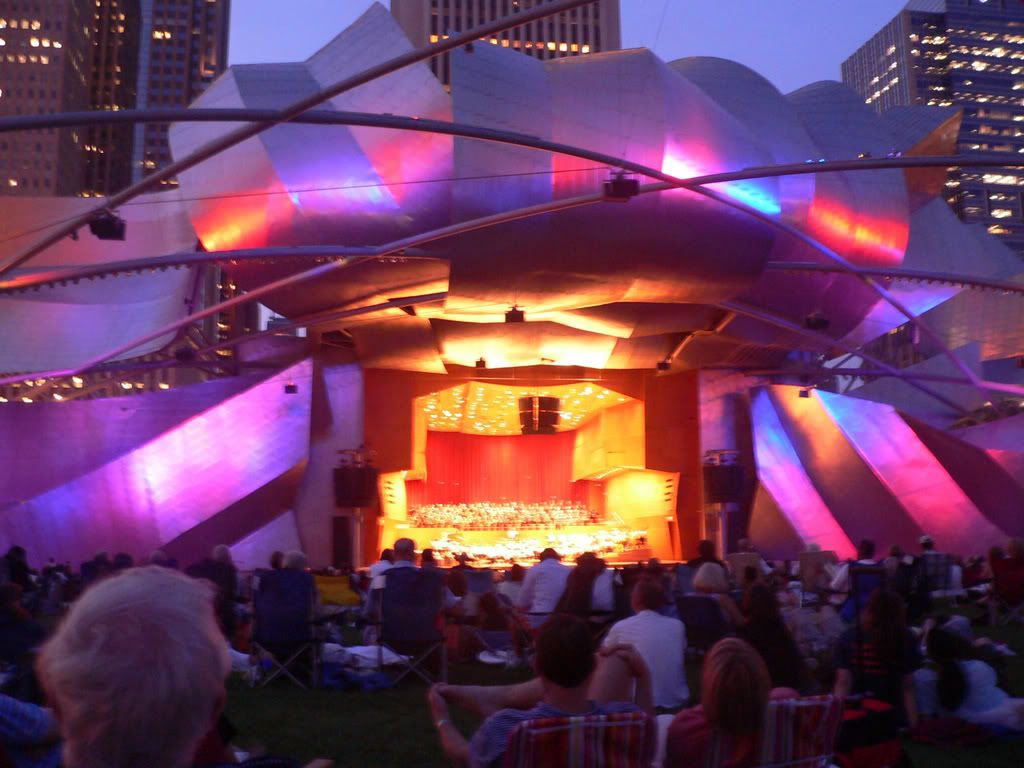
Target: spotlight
805, 393
481, 364
816, 322
515, 315
291, 388
108, 226
620, 188
664, 365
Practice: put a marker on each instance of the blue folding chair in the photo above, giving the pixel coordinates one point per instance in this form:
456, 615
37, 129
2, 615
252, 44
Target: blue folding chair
411, 622
283, 626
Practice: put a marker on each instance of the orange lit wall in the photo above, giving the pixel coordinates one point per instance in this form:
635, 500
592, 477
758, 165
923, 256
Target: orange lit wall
645, 499
611, 438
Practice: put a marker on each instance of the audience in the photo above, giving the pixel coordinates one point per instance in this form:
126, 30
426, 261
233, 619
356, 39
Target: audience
734, 695
28, 735
955, 685
569, 682
511, 586
880, 657
136, 672
711, 582
660, 641
705, 554
767, 633
387, 559
19, 633
543, 586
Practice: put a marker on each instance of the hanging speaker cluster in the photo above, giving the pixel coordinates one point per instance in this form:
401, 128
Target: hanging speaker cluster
539, 415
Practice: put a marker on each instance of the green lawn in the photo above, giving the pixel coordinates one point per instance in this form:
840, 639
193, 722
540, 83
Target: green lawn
393, 727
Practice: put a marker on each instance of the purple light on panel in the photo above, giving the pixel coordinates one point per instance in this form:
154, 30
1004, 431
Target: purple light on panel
912, 474
166, 486
782, 475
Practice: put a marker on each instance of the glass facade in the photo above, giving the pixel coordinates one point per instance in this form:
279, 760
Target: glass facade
968, 54
590, 28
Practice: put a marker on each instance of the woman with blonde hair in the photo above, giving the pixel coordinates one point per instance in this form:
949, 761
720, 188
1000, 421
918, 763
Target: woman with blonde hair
711, 582
735, 690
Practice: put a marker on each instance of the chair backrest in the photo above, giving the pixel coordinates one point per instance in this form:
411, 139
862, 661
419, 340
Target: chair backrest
684, 579
335, 590
283, 608
738, 563
810, 563
704, 620
624, 740
798, 733
411, 604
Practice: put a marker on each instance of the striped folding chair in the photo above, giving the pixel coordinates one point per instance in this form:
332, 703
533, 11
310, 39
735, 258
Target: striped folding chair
798, 733
624, 740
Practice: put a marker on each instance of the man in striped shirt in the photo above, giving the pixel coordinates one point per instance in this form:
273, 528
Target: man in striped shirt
570, 681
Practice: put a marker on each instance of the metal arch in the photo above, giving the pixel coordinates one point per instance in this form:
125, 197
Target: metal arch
770, 318
323, 269
240, 134
695, 184
922, 275
50, 277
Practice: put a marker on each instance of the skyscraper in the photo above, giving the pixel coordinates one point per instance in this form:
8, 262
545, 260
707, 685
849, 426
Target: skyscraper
113, 80
45, 59
963, 53
590, 28
183, 47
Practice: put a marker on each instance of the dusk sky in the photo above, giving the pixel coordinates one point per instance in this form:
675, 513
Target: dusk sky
791, 42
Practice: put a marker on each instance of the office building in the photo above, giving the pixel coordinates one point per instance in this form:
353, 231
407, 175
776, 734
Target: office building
588, 29
183, 46
113, 78
959, 53
45, 58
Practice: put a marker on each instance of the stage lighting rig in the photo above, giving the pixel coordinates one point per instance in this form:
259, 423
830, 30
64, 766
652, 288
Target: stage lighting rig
481, 364
515, 315
620, 188
664, 365
108, 226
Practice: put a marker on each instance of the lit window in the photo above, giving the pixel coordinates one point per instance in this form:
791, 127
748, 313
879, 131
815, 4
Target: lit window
552, 46
563, 47
1001, 213
34, 42
585, 49
35, 25
12, 182
434, 38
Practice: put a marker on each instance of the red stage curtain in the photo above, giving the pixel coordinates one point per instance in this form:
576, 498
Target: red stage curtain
463, 469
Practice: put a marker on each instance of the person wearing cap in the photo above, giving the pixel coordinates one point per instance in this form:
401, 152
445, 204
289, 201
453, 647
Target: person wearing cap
543, 587
932, 566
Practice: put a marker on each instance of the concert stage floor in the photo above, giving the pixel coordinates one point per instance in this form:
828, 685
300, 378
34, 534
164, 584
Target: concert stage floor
502, 548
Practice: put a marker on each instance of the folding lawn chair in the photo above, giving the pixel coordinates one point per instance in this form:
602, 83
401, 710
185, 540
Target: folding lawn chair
283, 626
411, 622
625, 740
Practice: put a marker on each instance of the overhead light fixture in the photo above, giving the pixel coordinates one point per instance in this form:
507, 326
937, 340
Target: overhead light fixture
481, 364
620, 187
291, 388
108, 226
664, 365
515, 315
805, 393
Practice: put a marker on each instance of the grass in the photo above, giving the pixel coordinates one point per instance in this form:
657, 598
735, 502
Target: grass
394, 726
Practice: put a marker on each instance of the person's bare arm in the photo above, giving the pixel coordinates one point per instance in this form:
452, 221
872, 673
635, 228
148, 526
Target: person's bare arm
623, 676
485, 700
453, 743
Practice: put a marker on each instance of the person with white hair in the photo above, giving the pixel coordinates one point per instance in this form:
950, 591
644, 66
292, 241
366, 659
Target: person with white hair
711, 581
135, 672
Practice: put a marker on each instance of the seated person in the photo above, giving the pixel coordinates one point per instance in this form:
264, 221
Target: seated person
569, 682
135, 672
660, 641
711, 582
734, 694
954, 685
886, 655
768, 634
705, 554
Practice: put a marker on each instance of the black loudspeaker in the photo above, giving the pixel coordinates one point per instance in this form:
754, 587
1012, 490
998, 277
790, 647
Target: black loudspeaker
539, 415
722, 483
355, 486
